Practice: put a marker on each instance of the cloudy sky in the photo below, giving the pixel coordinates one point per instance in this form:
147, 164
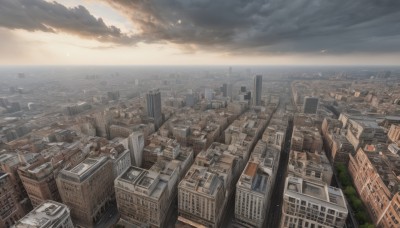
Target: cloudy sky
199, 32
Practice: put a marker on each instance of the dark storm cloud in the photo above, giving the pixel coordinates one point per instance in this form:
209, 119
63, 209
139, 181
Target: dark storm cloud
273, 26
39, 15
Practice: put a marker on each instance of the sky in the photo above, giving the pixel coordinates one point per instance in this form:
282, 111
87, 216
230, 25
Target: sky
199, 32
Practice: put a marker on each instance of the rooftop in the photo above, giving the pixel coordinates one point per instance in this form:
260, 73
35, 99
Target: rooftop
43, 216
315, 190
142, 182
84, 169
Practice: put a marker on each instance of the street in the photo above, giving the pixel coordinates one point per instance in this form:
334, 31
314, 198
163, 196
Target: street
273, 217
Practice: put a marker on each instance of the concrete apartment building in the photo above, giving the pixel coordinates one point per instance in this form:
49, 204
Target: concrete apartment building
254, 188
142, 197
306, 139
87, 189
375, 176
48, 214
362, 130
39, 183
10, 209
171, 165
201, 197
275, 132
195, 129
310, 166
312, 204
336, 145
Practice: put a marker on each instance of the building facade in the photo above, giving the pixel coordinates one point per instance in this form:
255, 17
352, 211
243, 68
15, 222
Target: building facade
39, 183
201, 197
312, 204
10, 209
142, 197
375, 176
87, 189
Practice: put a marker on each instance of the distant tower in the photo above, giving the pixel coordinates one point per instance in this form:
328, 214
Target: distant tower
136, 146
310, 105
224, 90
257, 90
153, 99
209, 94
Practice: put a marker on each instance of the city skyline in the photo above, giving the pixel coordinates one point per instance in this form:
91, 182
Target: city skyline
304, 32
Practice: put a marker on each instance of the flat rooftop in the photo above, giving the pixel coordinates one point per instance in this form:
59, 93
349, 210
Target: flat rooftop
42, 216
85, 168
147, 180
320, 191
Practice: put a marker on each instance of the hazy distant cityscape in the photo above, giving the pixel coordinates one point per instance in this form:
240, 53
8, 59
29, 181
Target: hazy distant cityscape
200, 146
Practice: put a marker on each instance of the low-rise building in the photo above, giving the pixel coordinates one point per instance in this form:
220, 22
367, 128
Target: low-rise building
48, 214
310, 166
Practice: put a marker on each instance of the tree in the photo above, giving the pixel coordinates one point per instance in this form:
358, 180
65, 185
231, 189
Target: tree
349, 190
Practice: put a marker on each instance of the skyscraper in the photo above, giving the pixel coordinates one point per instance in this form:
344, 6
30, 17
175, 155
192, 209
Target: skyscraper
257, 90
310, 105
153, 98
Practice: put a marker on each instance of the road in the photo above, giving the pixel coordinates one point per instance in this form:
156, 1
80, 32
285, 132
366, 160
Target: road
109, 218
273, 217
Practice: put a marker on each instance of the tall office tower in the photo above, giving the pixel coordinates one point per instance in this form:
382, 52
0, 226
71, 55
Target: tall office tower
257, 90
153, 98
87, 189
10, 209
310, 105
136, 146
39, 183
142, 197
224, 90
312, 204
47, 214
